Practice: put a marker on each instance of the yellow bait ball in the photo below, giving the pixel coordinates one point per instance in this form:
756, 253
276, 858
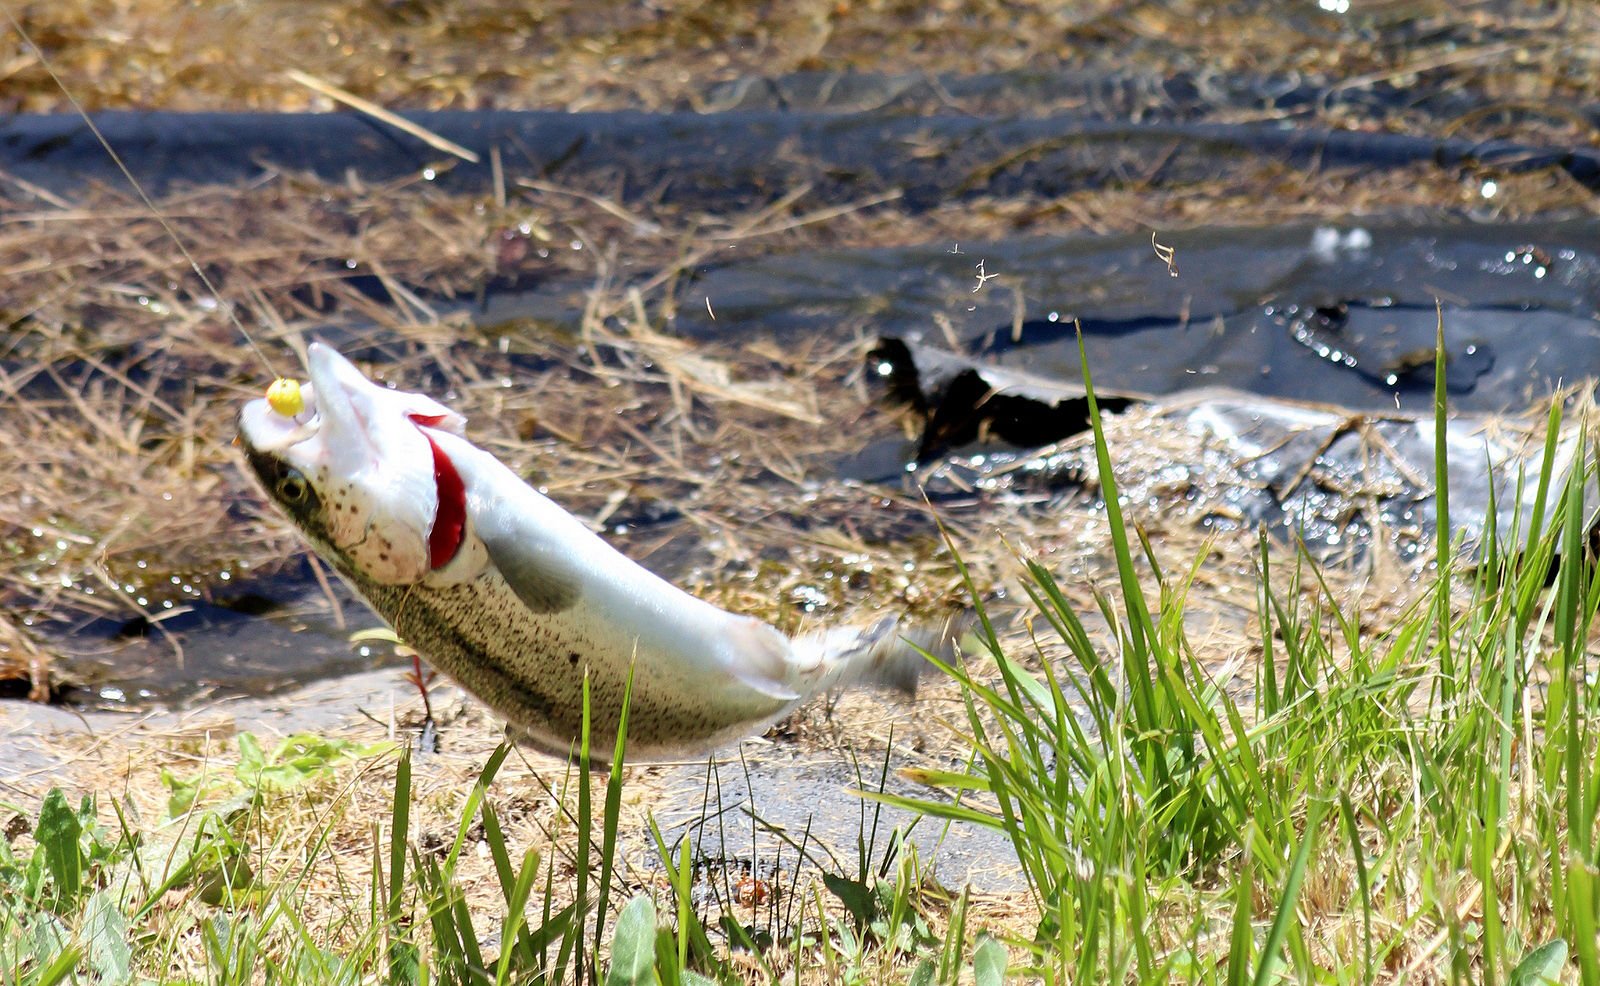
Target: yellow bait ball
284, 397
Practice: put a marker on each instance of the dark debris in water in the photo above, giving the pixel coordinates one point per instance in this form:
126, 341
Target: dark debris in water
963, 403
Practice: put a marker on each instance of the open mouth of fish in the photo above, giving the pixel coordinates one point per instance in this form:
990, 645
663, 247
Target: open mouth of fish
370, 456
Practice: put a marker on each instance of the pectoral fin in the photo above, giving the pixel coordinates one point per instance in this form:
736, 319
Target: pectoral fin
539, 579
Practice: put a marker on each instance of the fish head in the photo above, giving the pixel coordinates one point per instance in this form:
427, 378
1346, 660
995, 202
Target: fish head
355, 470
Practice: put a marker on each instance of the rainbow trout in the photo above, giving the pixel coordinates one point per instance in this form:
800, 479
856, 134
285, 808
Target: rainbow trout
515, 598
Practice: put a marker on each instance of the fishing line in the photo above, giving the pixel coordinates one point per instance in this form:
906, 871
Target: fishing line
139, 189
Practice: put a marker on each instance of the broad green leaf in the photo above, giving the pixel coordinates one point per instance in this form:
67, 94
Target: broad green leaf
633, 945
1542, 966
989, 962
58, 832
922, 975
857, 898
106, 929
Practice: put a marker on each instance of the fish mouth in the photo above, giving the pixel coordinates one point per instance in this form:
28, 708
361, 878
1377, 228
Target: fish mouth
345, 408
369, 451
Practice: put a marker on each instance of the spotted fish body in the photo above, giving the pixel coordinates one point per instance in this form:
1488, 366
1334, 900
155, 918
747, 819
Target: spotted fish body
515, 598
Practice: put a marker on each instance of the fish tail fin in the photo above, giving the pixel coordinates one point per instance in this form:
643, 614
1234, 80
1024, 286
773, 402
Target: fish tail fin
887, 654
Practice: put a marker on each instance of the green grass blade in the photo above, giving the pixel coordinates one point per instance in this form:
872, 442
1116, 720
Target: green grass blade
1284, 918
612, 811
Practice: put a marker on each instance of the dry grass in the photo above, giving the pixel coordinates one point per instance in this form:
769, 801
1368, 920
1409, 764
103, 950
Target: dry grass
315, 844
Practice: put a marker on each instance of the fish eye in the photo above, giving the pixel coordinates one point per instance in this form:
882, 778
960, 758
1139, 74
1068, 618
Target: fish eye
293, 488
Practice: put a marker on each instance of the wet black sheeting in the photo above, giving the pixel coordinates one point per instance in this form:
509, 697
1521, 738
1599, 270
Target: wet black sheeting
1340, 315
724, 160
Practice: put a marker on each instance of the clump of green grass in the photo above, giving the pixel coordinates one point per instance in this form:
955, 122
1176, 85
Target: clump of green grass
1434, 781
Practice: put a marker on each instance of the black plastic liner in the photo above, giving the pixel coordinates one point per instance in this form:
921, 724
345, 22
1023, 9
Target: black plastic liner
718, 161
